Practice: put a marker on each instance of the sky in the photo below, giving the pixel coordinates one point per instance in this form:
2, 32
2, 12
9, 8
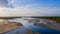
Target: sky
29, 8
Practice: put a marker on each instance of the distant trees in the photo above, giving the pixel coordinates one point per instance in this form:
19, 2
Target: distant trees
57, 19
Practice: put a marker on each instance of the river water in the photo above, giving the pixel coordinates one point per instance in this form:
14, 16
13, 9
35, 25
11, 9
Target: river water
32, 27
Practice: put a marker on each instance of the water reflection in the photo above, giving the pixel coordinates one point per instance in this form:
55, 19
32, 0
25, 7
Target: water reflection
31, 27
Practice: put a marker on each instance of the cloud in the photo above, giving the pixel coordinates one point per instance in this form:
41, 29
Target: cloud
29, 11
3, 3
7, 3
11, 2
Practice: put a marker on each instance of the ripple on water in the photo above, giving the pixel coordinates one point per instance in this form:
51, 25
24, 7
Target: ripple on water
33, 28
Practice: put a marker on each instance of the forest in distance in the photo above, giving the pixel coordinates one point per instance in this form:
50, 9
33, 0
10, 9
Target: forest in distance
57, 19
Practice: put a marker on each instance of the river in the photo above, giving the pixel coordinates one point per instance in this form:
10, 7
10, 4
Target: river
32, 27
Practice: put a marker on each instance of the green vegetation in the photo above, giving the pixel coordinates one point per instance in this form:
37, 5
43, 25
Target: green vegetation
6, 18
57, 19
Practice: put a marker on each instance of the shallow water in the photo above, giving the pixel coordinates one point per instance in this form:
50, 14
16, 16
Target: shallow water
32, 27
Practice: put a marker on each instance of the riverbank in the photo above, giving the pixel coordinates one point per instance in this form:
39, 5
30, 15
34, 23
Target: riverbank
51, 26
8, 26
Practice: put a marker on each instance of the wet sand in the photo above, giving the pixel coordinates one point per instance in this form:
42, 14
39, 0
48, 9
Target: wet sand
51, 26
29, 31
8, 26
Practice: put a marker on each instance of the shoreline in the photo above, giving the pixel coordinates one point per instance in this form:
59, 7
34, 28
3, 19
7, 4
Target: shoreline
9, 26
51, 26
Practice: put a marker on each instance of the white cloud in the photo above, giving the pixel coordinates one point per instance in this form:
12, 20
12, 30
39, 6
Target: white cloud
29, 11
7, 3
11, 2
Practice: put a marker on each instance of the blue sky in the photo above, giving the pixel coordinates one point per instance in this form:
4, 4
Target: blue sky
30, 7
44, 3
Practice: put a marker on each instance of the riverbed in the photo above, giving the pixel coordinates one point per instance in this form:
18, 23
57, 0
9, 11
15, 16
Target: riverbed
31, 27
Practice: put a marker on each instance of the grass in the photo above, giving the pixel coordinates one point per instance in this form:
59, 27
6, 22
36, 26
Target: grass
57, 19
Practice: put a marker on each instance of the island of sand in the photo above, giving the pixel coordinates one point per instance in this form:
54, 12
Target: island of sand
51, 26
6, 26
